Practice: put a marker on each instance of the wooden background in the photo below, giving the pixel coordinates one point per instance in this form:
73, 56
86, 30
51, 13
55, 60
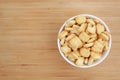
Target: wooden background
28, 33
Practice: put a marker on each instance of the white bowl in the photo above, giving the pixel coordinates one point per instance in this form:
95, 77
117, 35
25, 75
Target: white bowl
105, 54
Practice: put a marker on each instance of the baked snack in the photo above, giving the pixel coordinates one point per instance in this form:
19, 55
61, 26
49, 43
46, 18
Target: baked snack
84, 40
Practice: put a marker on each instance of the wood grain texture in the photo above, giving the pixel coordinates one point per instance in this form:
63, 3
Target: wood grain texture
28, 33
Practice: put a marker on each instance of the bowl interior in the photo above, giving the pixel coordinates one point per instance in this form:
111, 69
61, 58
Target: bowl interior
105, 54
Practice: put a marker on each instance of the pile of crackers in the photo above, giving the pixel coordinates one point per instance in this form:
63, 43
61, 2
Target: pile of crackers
84, 40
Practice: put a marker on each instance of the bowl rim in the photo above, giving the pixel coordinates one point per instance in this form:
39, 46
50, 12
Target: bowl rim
105, 54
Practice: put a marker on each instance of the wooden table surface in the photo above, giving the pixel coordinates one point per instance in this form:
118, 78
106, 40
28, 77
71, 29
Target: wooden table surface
28, 33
